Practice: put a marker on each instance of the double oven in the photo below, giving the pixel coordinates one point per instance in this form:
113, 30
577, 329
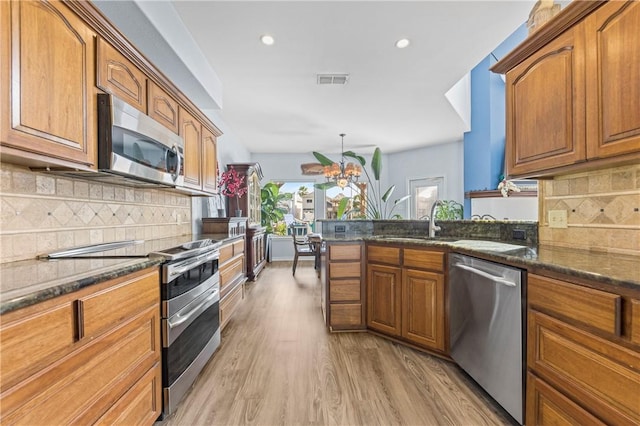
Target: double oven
190, 310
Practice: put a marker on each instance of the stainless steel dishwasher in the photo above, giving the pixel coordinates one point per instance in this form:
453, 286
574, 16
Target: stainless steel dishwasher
486, 326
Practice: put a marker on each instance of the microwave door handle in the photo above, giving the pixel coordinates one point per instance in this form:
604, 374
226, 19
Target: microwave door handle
177, 172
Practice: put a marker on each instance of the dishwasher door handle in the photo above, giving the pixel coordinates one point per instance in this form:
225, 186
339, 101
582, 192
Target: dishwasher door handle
484, 274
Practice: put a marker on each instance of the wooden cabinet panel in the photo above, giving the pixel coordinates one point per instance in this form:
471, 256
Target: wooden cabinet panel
593, 308
238, 247
83, 385
230, 272
384, 294
117, 75
547, 406
229, 305
614, 83
635, 321
209, 161
30, 343
345, 252
162, 107
344, 270
226, 253
546, 107
383, 254
47, 91
600, 375
423, 259
344, 290
423, 308
346, 314
142, 404
102, 310
191, 132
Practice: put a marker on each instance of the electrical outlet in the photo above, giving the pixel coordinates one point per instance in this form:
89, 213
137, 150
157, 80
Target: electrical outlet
519, 234
557, 218
340, 228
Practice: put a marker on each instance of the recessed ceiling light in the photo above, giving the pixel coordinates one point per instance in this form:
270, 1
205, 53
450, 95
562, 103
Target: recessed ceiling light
267, 39
402, 43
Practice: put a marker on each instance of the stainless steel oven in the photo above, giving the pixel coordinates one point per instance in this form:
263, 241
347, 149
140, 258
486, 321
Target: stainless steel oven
190, 290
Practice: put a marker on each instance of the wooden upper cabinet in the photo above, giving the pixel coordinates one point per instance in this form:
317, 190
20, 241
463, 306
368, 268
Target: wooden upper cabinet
191, 132
162, 107
209, 161
119, 76
545, 107
47, 90
614, 80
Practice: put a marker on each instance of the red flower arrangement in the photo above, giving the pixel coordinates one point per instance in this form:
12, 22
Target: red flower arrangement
230, 184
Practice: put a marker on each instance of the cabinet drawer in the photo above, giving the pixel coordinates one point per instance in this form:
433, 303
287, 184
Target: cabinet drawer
547, 406
344, 252
83, 385
346, 314
231, 271
344, 270
382, 254
141, 405
229, 305
593, 308
34, 342
592, 371
226, 253
238, 247
118, 75
344, 290
102, 310
424, 259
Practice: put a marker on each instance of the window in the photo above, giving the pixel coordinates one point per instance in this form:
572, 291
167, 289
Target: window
299, 204
357, 204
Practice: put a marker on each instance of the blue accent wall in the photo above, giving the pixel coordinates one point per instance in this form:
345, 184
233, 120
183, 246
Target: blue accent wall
484, 143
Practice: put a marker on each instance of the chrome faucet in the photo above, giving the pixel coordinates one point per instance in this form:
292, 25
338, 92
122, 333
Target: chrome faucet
432, 219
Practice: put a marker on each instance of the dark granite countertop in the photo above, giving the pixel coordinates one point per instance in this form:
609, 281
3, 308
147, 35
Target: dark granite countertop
24, 283
606, 268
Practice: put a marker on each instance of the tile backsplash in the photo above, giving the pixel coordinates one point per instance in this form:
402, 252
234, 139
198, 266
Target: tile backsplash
41, 213
603, 210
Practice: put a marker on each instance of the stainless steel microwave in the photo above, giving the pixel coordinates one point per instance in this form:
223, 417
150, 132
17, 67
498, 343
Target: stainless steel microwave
133, 145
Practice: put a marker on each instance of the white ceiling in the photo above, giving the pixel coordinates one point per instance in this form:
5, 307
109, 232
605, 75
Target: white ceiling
394, 98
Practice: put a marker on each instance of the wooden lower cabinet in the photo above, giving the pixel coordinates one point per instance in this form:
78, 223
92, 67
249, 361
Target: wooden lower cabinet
384, 299
256, 255
342, 286
406, 294
581, 353
547, 406
232, 277
423, 308
112, 372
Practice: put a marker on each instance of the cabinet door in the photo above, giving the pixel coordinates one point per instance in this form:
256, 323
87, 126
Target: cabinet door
547, 406
47, 93
209, 161
191, 131
383, 299
119, 76
613, 86
423, 308
162, 107
546, 107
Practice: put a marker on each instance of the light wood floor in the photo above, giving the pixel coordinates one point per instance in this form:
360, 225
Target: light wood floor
278, 365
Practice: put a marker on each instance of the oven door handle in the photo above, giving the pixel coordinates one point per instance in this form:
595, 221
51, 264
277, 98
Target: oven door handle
195, 311
197, 261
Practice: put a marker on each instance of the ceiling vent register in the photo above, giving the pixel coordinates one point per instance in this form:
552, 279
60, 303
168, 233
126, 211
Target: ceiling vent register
333, 79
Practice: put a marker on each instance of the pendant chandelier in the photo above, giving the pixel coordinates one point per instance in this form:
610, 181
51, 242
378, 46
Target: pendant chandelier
340, 173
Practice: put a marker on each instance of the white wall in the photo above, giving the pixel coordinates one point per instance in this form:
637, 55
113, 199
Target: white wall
446, 160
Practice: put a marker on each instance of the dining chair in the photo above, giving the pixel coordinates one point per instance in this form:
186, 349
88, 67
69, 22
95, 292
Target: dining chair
302, 247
